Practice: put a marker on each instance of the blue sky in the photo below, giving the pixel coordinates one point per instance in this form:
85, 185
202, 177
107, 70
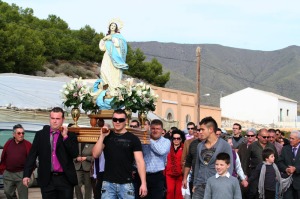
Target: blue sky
257, 24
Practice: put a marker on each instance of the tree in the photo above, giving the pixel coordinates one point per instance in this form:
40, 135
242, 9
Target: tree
149, 71
89, 44
27, 49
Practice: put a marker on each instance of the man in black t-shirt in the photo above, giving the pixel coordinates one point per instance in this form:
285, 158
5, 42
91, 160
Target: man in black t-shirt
121, 149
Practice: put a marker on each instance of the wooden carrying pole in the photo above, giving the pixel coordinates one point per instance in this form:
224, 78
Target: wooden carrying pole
198, 55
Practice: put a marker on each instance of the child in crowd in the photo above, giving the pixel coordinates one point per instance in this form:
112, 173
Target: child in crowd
222, 185
269, 177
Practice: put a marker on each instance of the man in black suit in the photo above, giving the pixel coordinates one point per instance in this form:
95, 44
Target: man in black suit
289, 163
56, 149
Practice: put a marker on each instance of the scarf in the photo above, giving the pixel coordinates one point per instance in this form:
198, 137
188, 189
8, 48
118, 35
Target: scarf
284, 184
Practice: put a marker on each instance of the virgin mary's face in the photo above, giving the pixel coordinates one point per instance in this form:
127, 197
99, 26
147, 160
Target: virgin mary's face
112, 27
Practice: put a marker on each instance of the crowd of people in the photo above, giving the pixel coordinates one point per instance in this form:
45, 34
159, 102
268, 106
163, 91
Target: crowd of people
201, 163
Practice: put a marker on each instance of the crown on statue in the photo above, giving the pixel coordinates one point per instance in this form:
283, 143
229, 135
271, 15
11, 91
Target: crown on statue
117, 21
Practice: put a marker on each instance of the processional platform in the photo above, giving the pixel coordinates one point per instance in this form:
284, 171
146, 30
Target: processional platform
91, 134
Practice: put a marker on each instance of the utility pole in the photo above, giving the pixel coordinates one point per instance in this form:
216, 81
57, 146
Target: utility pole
198, 55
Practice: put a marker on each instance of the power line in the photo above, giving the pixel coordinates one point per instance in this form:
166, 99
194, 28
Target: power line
219, 70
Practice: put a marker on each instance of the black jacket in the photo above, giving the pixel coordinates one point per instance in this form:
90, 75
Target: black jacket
286, 159
66, 150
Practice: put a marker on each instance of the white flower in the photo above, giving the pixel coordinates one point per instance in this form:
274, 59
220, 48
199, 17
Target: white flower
71, 87
139, 93
66, 92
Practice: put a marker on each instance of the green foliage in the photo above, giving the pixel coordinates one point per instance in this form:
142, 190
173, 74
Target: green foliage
27, 42
150, 71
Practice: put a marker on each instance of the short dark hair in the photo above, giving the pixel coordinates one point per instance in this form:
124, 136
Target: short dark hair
147, 121
278, 130
218, 129
191, 123
224, 156
157, 122
272, 131
17, 126
209, 121
120, 111
173, 128
237, 124
179, 132
138, 123
58, 110
266, 153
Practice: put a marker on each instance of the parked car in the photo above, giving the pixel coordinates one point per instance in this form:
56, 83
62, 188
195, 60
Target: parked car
6, 134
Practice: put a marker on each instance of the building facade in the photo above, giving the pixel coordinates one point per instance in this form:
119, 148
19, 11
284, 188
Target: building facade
259, 106
177, 108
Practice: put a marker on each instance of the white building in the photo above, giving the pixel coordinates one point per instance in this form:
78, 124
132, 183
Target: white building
259, 106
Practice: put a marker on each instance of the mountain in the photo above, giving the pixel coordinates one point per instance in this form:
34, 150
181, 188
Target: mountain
225, 70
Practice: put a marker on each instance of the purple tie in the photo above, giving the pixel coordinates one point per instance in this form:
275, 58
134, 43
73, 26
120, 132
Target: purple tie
294, 151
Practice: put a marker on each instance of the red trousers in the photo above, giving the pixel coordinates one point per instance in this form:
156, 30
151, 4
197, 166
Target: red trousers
174, 185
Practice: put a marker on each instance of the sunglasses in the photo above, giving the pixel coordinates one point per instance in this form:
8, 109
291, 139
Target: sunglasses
190, 128
198, 130
176, 138
133, 126
265, 137
120, 120
19, 133
250, 135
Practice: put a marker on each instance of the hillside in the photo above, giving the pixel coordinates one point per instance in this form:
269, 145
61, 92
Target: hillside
225, 70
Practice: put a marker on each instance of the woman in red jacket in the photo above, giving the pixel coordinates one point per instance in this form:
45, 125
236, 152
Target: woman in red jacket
173, 167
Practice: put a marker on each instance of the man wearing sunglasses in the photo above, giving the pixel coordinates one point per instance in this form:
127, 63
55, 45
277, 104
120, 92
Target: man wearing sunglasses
190, 128
272, 139
13, 158
242, 151
134, 124
254, 157
121, 149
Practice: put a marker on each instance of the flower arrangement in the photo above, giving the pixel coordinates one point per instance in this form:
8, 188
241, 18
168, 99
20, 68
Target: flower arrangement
89, 104
74, 92
135, 97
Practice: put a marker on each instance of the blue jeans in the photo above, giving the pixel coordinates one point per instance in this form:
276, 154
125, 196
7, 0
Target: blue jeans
117, 191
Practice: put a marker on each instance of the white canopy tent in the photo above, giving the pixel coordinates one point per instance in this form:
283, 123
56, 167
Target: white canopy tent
32, 92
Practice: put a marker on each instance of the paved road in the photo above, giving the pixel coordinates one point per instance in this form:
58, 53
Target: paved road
34, 193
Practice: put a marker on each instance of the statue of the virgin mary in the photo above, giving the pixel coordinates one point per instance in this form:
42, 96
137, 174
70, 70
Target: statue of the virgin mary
113, 64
